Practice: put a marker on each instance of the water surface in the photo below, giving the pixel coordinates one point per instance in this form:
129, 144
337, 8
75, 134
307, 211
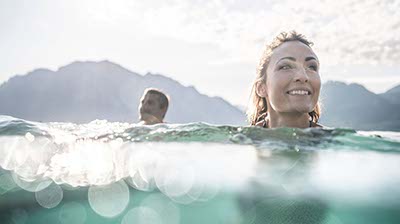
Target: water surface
108, 172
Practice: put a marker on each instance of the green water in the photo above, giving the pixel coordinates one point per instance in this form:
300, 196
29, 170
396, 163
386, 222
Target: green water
105, 172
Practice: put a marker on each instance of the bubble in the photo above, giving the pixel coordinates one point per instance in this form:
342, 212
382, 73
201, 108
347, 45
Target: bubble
31, 185
109, 200
50, 196
139, 183
204, 191
142, 215
166, 209
174, 179
31, 158
142, 168
72, 212
6, 183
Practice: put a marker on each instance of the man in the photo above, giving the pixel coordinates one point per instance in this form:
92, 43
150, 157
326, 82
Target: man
153, 107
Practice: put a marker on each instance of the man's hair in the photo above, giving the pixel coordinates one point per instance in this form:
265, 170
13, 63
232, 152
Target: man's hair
164, 99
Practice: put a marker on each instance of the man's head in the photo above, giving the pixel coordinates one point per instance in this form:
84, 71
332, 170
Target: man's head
153, 106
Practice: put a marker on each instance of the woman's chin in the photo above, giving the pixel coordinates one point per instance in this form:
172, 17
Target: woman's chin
302, 109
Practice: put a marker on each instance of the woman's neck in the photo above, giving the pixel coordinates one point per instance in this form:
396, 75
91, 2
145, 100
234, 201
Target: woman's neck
293, 120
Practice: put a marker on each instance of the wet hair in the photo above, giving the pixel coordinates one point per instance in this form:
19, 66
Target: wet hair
164, 99
258, 110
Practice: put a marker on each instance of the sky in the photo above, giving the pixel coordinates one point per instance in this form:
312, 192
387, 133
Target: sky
213, 45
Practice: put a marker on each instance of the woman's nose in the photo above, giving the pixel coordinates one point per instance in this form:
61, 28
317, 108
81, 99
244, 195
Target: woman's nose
301, 75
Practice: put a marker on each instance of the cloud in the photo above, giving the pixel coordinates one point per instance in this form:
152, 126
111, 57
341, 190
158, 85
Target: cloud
344, 31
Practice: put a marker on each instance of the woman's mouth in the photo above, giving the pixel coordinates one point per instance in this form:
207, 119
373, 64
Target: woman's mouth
299, 92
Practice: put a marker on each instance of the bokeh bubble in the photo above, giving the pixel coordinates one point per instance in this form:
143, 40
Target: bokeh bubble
32, 160
165, 207
142, 215
109, 200
31, 186
174, 179
50, 196
72, 212
6, 182
142, 167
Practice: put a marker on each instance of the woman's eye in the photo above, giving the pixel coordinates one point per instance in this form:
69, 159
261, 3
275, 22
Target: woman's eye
313, 67
284, 67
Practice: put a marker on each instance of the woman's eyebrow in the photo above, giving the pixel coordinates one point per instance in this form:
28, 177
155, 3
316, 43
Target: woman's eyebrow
294, 59
310, 58
290, 58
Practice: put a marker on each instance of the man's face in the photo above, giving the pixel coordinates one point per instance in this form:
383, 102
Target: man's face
150, 106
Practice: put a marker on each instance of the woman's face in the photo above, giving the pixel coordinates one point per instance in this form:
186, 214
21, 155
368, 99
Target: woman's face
293, 82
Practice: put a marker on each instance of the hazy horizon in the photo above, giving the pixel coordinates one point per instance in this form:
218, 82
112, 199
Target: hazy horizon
212, 45
239, 104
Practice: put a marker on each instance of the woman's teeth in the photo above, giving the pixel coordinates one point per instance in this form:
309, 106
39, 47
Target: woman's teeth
299, 92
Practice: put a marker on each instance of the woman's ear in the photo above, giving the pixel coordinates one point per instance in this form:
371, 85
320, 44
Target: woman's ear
261, 89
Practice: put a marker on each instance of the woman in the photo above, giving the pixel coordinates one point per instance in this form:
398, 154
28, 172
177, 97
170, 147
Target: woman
286, 90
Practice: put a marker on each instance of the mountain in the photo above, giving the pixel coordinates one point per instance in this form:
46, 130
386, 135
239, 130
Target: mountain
83, 91
392, 95
352, 105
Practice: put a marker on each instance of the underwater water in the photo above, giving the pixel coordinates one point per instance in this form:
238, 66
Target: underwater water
108, 172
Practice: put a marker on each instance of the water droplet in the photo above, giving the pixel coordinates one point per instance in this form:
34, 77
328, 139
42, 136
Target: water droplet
50, 196
109, 200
